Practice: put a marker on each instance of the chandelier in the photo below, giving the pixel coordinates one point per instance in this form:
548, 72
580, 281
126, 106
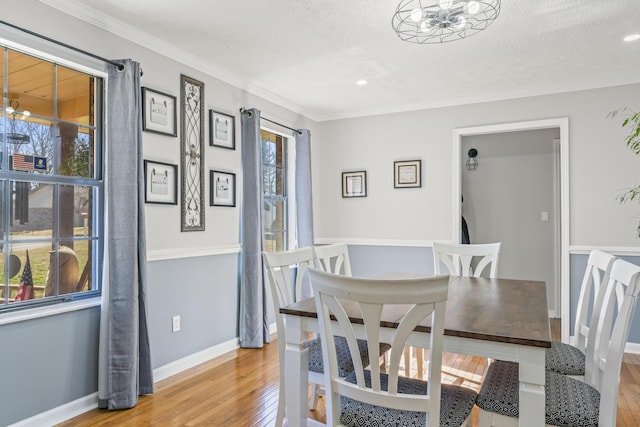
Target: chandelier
13, 137
433, 21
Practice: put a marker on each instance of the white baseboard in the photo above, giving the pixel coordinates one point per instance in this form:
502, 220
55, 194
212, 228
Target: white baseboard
194, 359
632, 347
61, 413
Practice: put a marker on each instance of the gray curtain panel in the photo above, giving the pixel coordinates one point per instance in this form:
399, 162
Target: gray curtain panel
125, 370
254, 324
304, 203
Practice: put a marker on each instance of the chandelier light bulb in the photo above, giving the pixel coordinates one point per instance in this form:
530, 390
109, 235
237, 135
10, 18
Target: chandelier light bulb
10, 110
416, 15
424, 27
446, 4
472, 7
459, 21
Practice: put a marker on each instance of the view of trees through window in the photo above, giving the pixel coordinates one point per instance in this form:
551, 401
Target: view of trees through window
49, 180
274, 189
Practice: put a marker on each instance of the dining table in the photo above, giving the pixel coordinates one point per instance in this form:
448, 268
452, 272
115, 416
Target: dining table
501, 319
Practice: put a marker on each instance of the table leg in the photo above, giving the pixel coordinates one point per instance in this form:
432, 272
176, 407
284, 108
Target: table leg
532, 383
296, 374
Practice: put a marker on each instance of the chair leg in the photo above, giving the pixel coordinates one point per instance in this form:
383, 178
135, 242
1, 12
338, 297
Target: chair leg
407, 361
419, 359
280, 414
383, 363
316, 391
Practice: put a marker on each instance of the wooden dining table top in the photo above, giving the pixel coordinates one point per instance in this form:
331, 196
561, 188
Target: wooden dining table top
502, 310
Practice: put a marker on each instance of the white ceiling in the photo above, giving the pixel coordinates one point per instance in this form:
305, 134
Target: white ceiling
308, 54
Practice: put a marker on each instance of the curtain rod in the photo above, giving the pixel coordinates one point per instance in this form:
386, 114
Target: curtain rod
119, 66
298, 131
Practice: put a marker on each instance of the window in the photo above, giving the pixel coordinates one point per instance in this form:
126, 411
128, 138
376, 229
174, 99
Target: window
50, 181
274, 189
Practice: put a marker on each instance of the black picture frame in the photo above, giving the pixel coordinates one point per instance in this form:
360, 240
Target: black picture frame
160, 183
407, 174
222, 130
222, 188
354, 184
159, 112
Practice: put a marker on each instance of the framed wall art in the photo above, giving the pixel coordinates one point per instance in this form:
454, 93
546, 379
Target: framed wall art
160, 182
192, 154
354, 184
222, 187
222, 130
159, 112
407, 174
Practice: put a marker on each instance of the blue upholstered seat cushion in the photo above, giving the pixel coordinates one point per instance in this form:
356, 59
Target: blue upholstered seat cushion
568, 402
345, 364
564, 359
456, 404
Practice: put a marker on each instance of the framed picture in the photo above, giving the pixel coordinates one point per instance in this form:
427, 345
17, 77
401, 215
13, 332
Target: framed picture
160, 183
407, 174
192, 154
222, 130
222, 187
354, 184
159, 112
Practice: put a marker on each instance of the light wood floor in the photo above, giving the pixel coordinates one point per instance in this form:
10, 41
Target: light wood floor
241, 389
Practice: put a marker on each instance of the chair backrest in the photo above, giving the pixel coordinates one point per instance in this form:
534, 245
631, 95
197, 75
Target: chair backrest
458, 258
333, 258
596, 277
621, 296
342, 296
285, 272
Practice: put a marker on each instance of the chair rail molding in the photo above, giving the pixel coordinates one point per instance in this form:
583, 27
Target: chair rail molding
177, 253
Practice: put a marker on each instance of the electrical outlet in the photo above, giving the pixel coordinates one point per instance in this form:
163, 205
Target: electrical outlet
176, 323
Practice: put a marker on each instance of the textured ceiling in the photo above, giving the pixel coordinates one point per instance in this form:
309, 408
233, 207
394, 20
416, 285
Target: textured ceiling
308, 54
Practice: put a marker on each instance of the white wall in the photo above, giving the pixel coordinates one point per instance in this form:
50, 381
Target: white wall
600, 166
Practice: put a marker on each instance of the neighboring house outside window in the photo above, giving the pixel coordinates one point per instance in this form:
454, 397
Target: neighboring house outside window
51, 189
275, 194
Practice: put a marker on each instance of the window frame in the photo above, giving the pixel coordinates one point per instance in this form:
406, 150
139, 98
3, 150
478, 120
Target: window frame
288, 157
47, 51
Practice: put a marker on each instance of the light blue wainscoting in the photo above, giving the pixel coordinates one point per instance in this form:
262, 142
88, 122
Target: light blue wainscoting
369, 261
47, 362
203, 291
578, 264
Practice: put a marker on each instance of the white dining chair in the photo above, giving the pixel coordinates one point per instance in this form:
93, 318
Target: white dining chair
466, 260
286, 271
333, 258
369, 397
460, 260
570, 402
567, 359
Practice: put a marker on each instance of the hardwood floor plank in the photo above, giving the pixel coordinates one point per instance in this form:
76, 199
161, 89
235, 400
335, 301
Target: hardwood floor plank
240, 388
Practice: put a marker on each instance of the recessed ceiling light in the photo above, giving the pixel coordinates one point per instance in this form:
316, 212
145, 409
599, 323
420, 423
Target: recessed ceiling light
632, 37
361, 82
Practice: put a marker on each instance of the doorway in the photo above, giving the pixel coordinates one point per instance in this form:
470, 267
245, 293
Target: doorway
500, 155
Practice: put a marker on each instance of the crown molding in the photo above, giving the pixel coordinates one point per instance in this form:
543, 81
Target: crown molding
98, 19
